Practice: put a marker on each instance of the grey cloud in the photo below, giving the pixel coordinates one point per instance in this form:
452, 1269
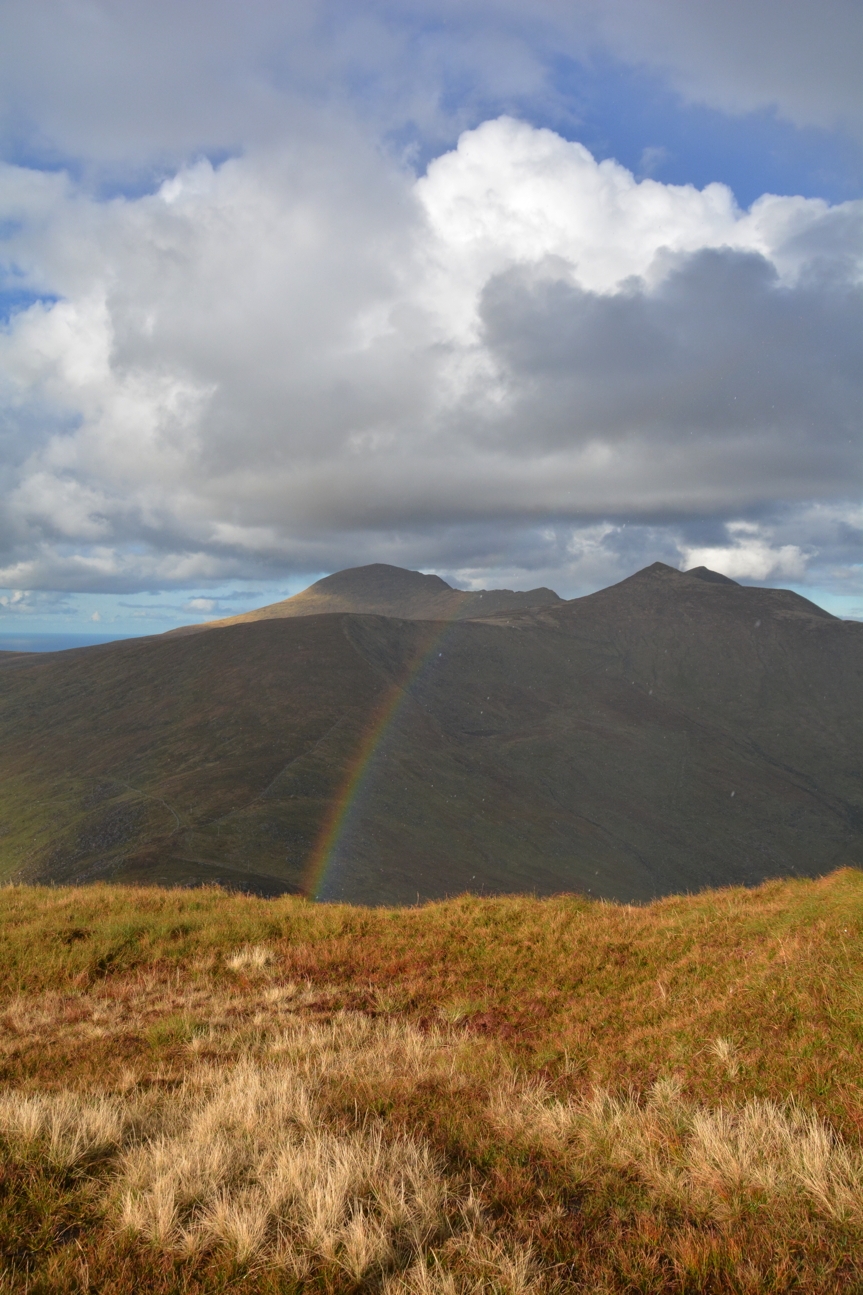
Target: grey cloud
801, 57
130, 85
720, 356
571, 557
575, 559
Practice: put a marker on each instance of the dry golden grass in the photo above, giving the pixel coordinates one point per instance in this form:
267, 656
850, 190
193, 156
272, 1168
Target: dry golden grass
203, 1093
716, 1163
252, 957
244, 1161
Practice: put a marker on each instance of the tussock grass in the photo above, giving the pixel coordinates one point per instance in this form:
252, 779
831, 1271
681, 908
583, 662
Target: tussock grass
715, 1163
202, 1092
245, 1162
491, 1267
252, 957
64, 1130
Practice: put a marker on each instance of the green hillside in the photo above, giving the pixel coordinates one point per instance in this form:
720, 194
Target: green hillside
671, 732
204, 1092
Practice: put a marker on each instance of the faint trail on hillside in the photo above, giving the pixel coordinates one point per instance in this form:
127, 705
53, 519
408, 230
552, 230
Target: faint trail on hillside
302, 756
149, 796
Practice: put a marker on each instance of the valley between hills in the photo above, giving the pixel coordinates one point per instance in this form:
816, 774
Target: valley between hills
382, 738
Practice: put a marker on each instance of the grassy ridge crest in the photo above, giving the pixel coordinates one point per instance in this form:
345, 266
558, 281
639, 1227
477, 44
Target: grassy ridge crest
209, 1091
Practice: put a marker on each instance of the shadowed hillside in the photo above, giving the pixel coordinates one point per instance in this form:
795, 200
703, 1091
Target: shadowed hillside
382, 590
671, 732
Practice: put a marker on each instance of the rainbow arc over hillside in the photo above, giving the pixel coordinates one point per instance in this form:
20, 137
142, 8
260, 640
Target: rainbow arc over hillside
360, 772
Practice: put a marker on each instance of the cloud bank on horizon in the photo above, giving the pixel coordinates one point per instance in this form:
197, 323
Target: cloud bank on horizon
287, 292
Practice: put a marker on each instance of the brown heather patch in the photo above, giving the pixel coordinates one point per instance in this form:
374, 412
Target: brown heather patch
206, 1092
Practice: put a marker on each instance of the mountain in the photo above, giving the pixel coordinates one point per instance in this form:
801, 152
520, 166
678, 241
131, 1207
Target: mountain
672, 732
382, 590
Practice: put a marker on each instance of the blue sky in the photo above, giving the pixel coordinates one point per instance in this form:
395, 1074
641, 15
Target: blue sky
632, 114
289, 288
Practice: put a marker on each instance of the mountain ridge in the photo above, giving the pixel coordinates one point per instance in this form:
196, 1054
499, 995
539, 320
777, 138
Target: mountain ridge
379, 589
665, 734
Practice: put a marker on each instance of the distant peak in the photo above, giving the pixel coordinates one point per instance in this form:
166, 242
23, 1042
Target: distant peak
656, 569
379, 577
713, 577
664, 570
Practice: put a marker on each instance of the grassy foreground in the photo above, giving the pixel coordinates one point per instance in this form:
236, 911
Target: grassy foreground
209, 1092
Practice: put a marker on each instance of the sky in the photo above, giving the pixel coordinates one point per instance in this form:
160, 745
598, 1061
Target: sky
518, 294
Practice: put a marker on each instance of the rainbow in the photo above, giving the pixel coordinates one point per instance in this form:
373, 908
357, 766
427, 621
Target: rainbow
360, 769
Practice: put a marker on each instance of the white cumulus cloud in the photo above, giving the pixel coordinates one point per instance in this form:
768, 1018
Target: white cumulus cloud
307, 357
750, 555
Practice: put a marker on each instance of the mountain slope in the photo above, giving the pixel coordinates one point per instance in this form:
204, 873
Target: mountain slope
382, 590
668, 733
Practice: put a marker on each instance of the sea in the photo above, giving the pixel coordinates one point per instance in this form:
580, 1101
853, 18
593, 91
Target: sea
55, 642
